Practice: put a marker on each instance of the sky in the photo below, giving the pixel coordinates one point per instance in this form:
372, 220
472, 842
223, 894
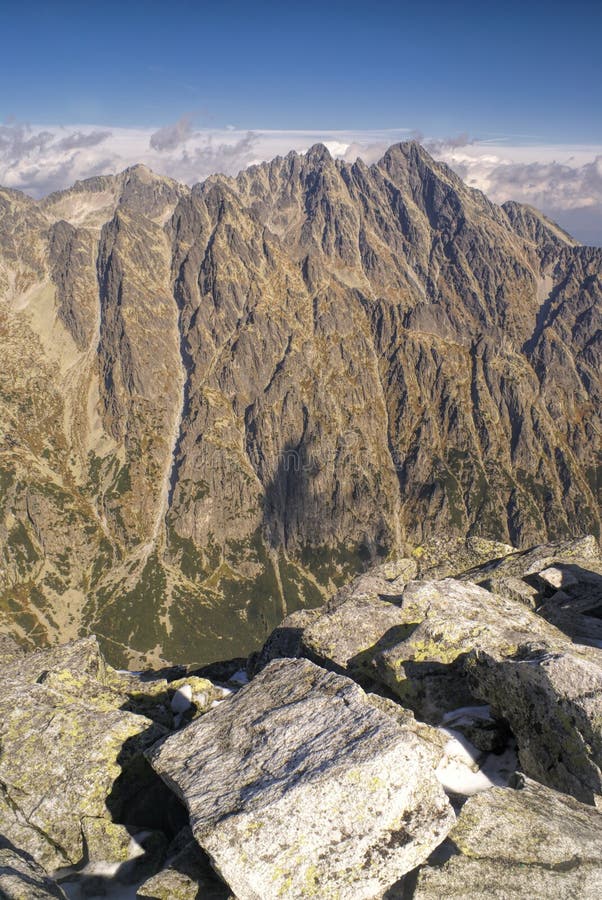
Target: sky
508, 93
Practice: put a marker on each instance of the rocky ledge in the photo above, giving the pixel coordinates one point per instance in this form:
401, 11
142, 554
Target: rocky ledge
420, 739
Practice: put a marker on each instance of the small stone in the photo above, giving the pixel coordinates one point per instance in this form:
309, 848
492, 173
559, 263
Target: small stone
405, 568
105, 839
514, 589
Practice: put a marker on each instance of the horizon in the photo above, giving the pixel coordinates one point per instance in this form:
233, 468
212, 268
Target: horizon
508, 97
554, 188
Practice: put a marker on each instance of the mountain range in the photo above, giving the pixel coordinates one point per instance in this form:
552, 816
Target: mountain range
218, 403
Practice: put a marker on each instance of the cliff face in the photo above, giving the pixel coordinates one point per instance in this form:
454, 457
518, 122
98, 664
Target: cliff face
219, 402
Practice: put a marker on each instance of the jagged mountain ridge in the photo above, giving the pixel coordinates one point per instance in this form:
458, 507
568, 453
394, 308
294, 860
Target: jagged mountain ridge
219, 401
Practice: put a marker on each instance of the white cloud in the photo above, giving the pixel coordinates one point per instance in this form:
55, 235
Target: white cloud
78, 139
558, 177
563, 181
171, 136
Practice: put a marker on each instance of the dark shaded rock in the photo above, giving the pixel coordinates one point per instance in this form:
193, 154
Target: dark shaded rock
490, 736
187, 875
222, 671
284, 642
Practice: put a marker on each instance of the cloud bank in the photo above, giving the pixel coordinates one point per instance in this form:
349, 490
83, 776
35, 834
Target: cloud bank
563, 181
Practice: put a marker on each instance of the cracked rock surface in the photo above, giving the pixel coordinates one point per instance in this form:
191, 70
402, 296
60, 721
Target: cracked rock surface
64, 742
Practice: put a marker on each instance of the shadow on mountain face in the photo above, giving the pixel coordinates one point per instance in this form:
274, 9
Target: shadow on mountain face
301, 519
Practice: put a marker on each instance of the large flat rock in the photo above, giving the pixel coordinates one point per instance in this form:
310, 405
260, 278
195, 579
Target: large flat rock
298, 786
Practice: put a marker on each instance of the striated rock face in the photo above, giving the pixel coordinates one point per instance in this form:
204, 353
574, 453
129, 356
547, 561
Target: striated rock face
219, 402
300, 787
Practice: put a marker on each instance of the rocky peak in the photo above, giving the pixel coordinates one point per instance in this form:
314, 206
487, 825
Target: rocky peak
95, 200
259, 385
317, 154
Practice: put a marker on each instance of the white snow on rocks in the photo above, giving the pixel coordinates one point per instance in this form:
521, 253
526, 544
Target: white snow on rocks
182, 699
109, 880
466, 770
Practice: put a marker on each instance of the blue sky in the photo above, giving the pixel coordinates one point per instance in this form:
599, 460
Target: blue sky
531, 70
507, 93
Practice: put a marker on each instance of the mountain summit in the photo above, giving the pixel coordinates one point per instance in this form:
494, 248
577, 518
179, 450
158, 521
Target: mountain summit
219, 402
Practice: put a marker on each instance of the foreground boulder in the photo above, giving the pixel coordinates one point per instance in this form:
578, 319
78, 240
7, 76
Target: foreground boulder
553, 703
299, 786
21, 878
447, 621
470, 643
65, 740
561, 580
532, 842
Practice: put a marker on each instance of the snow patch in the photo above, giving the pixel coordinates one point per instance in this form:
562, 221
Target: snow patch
105, 879
182, 699
466, 770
